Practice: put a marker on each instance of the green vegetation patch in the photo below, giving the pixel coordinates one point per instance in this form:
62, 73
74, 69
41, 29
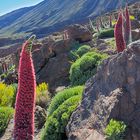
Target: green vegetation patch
42, 95
85, 67
106, 33
63, 96
83, 49
7, 93
115, 130
111, 42
56, 123
6, 114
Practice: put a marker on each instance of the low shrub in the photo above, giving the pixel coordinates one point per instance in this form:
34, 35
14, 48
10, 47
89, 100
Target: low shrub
56, 123
63, 96
75, 54
106, 33
42, 95
15, 85
6, 114
115, 130
83, 49
7, 93
85, 67
111, 42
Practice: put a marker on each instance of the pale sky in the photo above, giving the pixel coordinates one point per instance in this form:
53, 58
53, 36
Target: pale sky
10, 5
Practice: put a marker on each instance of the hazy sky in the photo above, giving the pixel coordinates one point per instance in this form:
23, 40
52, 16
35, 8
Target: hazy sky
9, 5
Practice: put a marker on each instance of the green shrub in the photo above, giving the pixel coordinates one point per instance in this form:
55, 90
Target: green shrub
5, 115
6, 95
56, 123
106, 33
63, 96
15, 85
83, 49
111, 42
115, 130
74, 47
42, 95
85, 67
75, 54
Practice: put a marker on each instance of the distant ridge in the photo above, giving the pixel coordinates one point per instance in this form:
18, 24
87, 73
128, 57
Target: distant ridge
52, 15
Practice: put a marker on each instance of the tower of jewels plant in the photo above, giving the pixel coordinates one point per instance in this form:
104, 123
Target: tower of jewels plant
25, 100
118, 33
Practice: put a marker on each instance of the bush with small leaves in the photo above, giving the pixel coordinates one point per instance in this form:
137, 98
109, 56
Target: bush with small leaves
6, 114
63, 96
42, 95
15, 85
115, 130
83, 49
7, 93
56, 123
85, 67
106, 33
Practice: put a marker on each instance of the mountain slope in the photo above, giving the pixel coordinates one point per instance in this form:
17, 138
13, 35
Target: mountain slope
52, 15
11, 17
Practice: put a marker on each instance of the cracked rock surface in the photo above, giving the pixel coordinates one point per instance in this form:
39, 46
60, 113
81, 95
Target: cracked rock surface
114, 92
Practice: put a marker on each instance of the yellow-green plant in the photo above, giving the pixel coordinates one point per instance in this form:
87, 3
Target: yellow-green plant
42, 95
6, 94
5, 115
115, 130
85, 67
59, 112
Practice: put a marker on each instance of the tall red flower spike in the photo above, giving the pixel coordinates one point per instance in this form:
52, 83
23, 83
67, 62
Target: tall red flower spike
25, 100
127, 27
118, 33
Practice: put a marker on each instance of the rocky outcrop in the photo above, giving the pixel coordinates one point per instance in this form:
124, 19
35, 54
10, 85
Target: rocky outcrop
40, 117
135, 34
51, 62
79, 33
112, 93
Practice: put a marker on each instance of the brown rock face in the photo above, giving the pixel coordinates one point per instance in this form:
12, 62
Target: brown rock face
40, 117
135, 34
114, 92
51, 62
135, 24
79, 33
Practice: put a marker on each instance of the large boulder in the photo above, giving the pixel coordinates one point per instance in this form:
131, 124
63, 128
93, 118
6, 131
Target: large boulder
79, 33
135, 24
135, 34
40, 117
112, 93
51, 62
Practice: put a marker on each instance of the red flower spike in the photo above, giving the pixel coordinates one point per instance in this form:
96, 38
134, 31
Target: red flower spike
25, 100
118, 33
